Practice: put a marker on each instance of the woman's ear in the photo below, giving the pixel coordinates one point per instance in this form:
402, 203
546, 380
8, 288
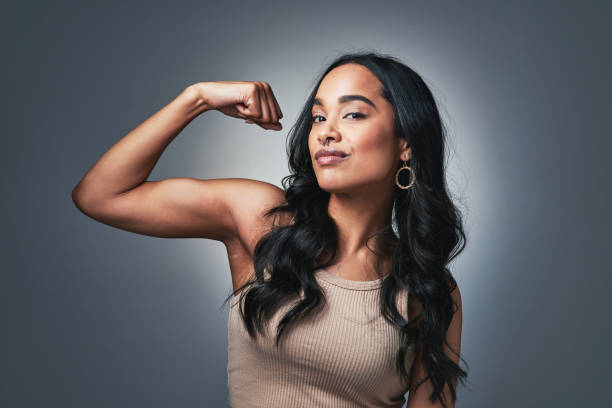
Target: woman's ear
408, 153
405, 149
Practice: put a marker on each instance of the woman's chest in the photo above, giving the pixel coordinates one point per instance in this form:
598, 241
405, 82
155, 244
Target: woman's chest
348, 341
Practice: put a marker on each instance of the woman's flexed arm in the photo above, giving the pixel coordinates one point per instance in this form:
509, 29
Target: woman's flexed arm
115, 190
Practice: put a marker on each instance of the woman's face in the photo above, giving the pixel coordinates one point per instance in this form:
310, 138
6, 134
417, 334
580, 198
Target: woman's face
343, 119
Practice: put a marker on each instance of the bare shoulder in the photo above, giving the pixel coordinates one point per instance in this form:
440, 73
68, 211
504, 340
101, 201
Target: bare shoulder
415, 307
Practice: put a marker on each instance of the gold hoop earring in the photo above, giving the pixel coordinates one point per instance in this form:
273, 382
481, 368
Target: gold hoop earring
404, 167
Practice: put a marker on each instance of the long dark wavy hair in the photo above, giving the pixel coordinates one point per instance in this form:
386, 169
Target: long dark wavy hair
424, 234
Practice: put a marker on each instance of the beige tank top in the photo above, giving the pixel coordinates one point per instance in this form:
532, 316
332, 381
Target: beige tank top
344, 356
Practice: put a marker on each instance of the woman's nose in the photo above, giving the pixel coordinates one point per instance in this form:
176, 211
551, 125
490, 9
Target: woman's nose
328, 132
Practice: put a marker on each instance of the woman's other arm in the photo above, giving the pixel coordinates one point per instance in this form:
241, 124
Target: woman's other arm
419, 398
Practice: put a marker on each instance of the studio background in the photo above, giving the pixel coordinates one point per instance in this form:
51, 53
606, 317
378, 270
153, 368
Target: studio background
94, 316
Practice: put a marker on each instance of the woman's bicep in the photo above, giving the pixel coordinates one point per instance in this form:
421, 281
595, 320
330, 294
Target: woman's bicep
218, 209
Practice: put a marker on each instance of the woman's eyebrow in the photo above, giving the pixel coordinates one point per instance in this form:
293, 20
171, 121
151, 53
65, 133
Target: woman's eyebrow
348, 98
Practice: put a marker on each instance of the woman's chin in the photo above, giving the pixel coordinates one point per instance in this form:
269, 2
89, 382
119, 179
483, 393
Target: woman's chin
335, 187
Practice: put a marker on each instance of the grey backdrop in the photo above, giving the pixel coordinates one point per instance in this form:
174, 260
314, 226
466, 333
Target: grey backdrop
94, 316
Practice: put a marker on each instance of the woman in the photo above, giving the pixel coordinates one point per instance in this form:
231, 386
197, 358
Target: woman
347, 263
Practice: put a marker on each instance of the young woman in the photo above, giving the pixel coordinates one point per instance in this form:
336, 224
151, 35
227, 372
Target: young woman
342, 295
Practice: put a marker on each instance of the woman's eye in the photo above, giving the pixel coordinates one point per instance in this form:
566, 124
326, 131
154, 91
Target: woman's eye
358, 115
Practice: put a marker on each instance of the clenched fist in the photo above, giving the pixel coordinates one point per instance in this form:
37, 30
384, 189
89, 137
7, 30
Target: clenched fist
252, 101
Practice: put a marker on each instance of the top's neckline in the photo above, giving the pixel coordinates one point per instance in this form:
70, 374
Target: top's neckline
347, 283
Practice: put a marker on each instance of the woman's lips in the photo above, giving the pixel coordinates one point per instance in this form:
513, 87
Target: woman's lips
324, 160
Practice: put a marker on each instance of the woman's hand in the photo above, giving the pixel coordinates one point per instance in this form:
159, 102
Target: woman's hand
252, 101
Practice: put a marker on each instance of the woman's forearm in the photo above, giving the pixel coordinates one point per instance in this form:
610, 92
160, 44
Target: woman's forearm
129, 162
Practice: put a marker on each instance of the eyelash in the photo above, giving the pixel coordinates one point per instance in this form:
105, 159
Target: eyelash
359, 115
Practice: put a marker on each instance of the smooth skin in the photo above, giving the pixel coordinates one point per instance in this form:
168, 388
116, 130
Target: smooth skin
115, 191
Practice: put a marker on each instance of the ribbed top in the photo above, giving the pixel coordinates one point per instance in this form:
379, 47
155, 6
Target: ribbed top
343, 356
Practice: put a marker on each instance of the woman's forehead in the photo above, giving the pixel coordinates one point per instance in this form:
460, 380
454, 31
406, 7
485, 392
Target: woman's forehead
348, 79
